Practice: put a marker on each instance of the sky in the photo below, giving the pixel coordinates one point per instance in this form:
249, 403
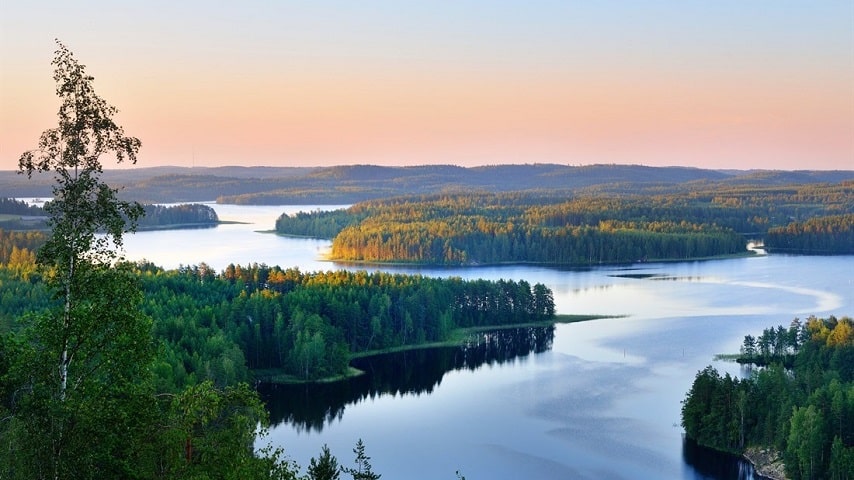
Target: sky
726, 84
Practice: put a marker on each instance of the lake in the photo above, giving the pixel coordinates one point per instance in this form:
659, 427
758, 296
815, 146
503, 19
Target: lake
591, 400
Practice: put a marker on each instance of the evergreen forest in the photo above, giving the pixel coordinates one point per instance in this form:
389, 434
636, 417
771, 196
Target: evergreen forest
833, 234
220, 325
545, 228
18, 215
800, 402
115, 370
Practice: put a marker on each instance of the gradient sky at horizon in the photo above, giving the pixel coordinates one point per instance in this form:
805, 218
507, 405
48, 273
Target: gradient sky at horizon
723, 84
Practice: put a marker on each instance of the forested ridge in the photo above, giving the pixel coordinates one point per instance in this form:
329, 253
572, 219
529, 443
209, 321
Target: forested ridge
209, 330
519, 227
347, 184
806, 412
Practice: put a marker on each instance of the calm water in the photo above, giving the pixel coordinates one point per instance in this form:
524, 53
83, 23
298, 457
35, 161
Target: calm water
592, 400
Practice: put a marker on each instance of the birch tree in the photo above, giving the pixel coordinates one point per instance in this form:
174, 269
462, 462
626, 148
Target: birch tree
83, 205
83, 368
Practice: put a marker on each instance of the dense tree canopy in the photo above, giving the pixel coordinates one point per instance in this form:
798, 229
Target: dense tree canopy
825, 235
806, 412
525, 227
187, 214
308, 324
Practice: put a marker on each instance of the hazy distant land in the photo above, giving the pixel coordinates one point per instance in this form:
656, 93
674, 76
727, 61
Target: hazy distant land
355, 183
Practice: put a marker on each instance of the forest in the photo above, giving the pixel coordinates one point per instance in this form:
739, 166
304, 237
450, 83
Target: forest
220, 326
17, 207
81, 395
547, 228
800, 402
155, 216
833, 234
211, 334
177, 216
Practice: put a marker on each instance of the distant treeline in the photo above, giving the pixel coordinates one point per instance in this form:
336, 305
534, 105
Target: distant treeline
319, 224
816, 236
522, 227
807, 413
348, 184
19, 215
19, 207
171, 215
218, 326
156, 216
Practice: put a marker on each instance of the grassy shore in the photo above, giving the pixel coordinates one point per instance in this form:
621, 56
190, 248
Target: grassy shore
457, 338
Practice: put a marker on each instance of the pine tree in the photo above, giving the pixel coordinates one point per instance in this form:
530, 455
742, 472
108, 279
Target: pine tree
324, 467
363, 469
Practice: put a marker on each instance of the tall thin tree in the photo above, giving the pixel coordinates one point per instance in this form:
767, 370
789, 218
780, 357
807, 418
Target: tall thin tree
82, 204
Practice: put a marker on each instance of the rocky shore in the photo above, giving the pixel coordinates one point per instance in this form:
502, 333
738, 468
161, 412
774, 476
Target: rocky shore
767, 462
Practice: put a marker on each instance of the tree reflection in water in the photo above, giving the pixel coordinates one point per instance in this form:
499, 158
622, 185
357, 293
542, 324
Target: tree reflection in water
313, 406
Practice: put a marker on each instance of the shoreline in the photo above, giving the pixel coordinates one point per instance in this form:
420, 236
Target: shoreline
570, 266
767, 463
457, 338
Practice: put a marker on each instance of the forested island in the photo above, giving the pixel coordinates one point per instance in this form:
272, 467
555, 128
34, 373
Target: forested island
548, 228
18, 215
801, 403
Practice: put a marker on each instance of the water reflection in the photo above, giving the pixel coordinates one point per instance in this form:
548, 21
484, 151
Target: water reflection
709, 463
414, 372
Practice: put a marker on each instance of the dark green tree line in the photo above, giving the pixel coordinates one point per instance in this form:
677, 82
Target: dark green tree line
19, 207
176, 215
807, 413
309, 324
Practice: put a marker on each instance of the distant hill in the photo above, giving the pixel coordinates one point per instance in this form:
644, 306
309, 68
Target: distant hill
354, 183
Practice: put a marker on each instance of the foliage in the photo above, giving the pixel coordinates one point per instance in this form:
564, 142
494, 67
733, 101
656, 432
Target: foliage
17, 251
175, 215
308, 324
319, 224
80, 365
479, 228
325, 467
807, 413
362, 470
76, 379
825, 235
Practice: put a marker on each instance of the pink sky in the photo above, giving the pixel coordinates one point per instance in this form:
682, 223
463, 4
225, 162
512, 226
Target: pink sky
706, 84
